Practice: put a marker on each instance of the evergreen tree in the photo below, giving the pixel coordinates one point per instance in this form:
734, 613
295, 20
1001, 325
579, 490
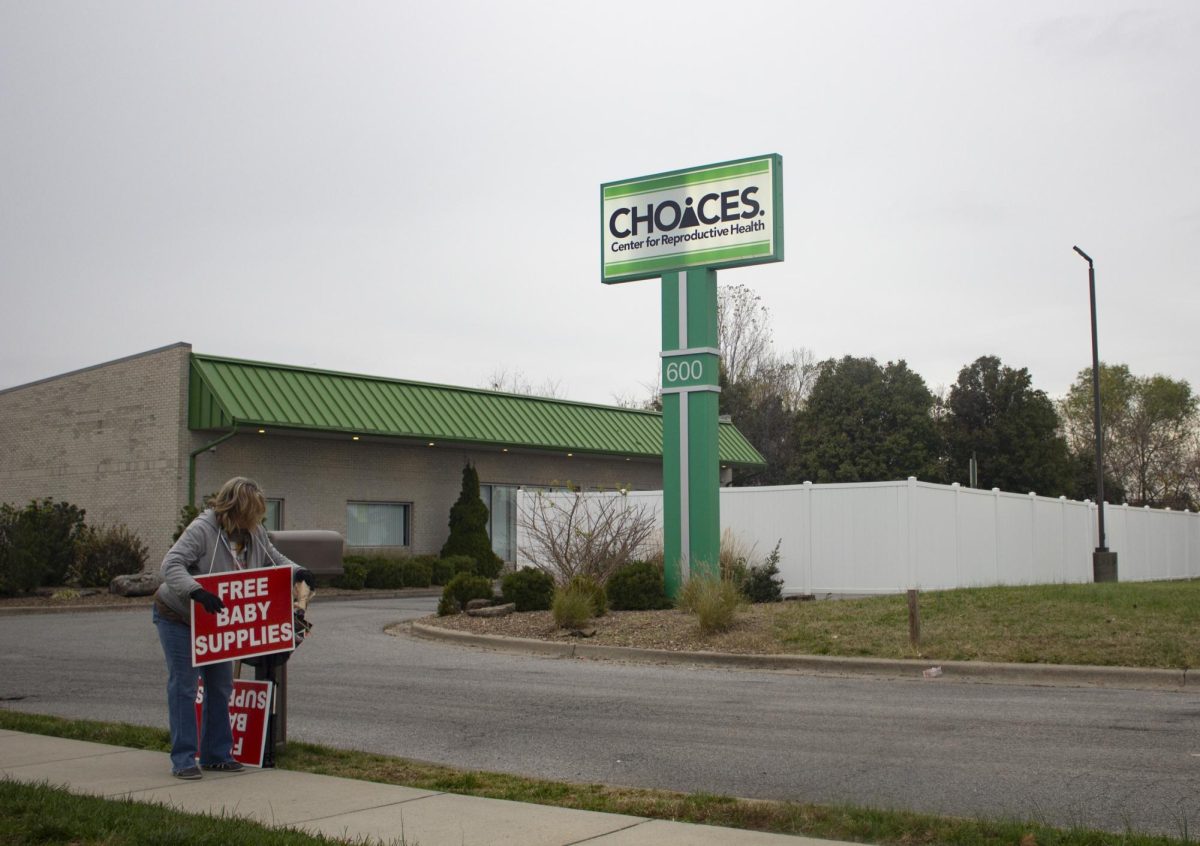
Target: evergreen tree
468, 527
995, 414
866, 423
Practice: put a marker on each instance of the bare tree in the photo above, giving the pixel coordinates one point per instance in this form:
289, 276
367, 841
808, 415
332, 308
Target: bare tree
575, 534
793, 377
743, 331
649, 400
502, 380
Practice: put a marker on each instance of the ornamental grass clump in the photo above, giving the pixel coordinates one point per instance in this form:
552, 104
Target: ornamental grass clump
595, 592
714, 601
571, 607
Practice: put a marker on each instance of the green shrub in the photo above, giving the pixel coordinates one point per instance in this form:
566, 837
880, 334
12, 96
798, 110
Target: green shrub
715, 602
416, 573
595, 592
354, 575
571, 607
441, 571
186, 515
638, 586
461, 564
106, 552
761, 583
462, 589
189, 513
384, 574
468, 528
38, 544
427, 560
529, 589
19, 570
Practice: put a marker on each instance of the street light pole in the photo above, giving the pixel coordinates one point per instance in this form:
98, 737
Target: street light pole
1104, 563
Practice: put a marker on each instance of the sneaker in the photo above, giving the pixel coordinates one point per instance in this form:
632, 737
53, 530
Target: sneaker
190, 773
225, 767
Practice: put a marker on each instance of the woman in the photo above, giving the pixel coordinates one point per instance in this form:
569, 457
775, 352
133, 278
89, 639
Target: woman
228, 536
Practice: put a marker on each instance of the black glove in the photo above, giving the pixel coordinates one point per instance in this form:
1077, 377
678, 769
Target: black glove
210, 601
305, 576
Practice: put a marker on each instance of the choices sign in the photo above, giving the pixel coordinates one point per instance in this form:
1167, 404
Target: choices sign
720, 215
257, 619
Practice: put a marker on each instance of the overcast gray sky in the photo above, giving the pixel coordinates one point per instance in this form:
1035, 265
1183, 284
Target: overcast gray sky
412, 189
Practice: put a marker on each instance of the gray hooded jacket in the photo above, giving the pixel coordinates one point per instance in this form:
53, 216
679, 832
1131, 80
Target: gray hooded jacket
203, 548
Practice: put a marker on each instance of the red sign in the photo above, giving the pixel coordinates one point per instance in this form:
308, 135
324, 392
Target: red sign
257, 619
249, 708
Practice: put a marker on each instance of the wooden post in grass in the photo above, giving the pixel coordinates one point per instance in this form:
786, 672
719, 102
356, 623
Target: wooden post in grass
914, 620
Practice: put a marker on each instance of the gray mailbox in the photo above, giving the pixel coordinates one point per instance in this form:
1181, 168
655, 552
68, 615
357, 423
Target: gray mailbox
318, 550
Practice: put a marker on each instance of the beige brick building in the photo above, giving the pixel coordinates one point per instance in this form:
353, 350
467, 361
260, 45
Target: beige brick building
378, 461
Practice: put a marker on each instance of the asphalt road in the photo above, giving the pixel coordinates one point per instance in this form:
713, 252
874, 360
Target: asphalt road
1112, 759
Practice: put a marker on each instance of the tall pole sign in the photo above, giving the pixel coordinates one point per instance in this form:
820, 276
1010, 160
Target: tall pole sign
683, 226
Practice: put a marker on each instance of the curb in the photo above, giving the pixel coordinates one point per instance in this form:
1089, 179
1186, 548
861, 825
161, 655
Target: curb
19, 610
1053, 675
22, 610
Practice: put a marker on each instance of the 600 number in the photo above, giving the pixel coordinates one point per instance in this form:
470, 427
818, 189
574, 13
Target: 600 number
684, 371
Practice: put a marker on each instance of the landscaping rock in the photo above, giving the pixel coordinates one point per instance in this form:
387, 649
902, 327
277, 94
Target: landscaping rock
492, 610
582, 632
139, 584
472, 604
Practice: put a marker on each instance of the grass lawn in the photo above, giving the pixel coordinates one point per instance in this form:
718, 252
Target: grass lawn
1130, 624
59, 822
40, 814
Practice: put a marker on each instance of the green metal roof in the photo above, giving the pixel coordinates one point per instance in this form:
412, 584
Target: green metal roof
224, 392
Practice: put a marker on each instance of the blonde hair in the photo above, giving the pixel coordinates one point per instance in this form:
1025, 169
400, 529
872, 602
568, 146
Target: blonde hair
239, 504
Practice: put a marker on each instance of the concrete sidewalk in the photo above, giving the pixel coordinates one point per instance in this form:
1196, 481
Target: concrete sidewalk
344, 808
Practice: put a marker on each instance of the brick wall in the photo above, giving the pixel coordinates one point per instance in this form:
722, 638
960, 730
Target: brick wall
317, 476
110, 439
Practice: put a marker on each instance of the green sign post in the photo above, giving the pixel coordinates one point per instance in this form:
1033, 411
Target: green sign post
682, 226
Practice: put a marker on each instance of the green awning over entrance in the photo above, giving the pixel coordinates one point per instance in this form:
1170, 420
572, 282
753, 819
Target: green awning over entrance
226, 392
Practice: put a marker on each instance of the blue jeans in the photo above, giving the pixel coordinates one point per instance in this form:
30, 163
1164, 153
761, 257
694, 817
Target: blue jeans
216, 738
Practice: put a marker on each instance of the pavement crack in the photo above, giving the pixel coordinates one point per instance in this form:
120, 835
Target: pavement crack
369, 808
608, 833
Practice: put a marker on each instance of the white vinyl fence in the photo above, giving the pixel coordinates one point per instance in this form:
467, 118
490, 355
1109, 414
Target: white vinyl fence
883, 537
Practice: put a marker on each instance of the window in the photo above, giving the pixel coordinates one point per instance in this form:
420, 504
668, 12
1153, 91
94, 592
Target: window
501, 502
377, 524
274, 519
